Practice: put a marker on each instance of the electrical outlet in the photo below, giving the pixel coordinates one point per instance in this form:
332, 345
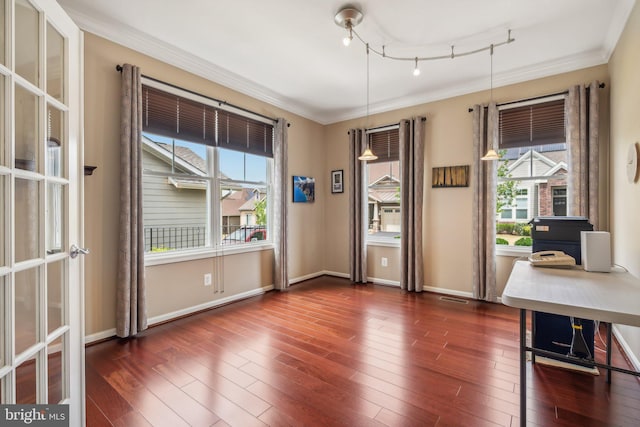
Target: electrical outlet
207, 279
384, 262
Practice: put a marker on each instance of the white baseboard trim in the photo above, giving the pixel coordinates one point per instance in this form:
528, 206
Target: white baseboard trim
207, 305
336, 274
384, 282
99, 336
306, 277
184, 312
446, 291
627, 350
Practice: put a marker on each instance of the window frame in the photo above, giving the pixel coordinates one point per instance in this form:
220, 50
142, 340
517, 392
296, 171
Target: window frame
215, 182
511, 250
372, 239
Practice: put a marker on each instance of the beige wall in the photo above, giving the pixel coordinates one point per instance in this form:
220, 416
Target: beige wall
179, 286
317, 232
625, 130
447, 211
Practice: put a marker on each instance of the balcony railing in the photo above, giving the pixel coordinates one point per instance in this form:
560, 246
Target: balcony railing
161, 239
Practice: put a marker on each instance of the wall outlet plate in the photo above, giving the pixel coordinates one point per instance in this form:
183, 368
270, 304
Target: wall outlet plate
384, 262
207, 279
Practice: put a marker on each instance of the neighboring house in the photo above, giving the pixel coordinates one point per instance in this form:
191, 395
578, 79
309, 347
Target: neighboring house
238, 209
384, 197
184, 185
546, 193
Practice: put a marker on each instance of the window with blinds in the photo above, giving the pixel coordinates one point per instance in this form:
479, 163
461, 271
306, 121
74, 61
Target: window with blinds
533, 165
383, 187
385, 144
178, 117
536, 124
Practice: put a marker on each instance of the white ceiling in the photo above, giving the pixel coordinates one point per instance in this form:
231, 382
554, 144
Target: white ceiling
289, 52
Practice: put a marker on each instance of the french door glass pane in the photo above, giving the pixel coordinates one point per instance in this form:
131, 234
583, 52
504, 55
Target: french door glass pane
55, 218
26, 128
55, 371
3, 321
3, 201
55, 63
55, 143
55, 292
26, 382
3, 36
27, 36
3, 106
26, 308
27, 226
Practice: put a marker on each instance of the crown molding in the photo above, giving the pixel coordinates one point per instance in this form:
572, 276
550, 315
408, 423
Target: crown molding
537, 71
138, 41
618, 23
165, 52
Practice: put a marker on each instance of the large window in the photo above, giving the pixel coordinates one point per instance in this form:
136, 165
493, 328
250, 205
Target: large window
383, 185
192, 151
532, 170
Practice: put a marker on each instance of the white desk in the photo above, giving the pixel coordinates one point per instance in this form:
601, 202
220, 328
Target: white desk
607, 297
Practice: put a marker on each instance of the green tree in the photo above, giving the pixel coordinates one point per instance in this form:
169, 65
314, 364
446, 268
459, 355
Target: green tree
506, 190
261, 211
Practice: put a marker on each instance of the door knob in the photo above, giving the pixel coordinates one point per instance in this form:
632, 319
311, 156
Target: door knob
75, 251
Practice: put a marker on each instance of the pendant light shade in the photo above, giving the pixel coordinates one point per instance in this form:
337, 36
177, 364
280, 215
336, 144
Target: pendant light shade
491, 155
367, 154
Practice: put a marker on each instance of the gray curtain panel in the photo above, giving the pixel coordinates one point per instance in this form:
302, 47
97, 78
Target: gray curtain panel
583, 115
280, 208
485, 136
357, 208
131, 311
412, 191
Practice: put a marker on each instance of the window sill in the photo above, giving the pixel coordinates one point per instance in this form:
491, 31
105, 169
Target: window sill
389, 243
513, 251
196, 254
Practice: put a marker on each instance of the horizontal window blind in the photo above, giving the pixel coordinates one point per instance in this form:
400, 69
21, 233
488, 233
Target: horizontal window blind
243, 134
178, 117
536, 124
386, 145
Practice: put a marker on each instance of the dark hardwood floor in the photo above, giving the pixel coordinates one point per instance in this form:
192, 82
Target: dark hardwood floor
328, 353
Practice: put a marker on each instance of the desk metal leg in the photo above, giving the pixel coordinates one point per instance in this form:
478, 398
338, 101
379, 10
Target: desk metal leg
609, 327
523, 367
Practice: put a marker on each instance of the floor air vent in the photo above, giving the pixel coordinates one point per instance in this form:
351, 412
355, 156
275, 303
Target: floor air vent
453, 299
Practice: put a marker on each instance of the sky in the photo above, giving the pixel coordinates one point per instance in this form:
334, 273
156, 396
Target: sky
233, 164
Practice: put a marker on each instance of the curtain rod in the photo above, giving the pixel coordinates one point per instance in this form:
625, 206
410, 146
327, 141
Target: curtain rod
119, 69
386, 127
601, 86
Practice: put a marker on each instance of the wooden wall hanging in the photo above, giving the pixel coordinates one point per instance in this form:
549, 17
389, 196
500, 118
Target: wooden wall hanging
450, 176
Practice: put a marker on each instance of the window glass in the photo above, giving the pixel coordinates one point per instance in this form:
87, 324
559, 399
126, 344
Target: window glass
55, 63
184, 164
532, 175
26, 308
175, 185
27, 208
26, 129
27, 36
3, 107
4, 28
383, 199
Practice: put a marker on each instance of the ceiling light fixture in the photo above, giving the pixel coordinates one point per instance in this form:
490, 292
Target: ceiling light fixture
416, 71
491, 153
349, 17
367, 154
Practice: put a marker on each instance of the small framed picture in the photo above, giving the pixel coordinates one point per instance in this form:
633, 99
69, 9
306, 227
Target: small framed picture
304, 189
337, 181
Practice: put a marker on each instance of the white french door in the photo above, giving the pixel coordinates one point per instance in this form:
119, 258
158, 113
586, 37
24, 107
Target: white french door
41, 297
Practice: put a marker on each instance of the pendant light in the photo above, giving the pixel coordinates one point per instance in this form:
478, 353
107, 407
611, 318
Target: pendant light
491, 153
367, 154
